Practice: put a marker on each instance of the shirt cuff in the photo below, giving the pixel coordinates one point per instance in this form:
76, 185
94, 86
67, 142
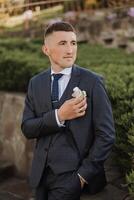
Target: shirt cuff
60, 124
82, 179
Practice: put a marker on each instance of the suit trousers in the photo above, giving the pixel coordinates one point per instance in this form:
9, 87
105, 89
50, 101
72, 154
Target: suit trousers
65, 186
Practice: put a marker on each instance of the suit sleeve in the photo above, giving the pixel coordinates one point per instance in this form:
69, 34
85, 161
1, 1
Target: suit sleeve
104, 133
33, 126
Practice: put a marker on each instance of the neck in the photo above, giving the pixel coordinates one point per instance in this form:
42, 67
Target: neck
58, 69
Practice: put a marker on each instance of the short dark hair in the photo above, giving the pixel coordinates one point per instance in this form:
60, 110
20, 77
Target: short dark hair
59, 26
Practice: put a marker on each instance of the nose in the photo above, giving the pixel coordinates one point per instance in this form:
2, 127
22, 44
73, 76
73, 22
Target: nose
69, 49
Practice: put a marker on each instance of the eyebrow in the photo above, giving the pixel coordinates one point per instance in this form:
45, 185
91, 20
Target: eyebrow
66, 41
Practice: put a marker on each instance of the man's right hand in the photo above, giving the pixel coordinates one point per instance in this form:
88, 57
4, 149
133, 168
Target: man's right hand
72, 108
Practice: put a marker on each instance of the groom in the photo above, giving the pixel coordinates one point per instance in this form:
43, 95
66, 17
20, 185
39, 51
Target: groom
74, 135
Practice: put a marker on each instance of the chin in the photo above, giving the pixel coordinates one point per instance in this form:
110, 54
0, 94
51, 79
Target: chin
68, 64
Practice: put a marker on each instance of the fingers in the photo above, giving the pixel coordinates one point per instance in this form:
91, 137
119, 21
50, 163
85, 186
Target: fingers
81, 106
73, 108
79, 100
76, 102
80, 114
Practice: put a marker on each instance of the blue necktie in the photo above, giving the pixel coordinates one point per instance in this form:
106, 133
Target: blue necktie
55, 87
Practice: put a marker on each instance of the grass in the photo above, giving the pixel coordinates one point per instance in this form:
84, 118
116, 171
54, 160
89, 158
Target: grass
97, 56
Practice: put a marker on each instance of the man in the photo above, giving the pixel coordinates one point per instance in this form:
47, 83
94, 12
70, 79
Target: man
74, 134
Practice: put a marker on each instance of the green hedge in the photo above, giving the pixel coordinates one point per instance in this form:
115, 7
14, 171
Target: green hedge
117, 67
20, 60
120, 86
130, 181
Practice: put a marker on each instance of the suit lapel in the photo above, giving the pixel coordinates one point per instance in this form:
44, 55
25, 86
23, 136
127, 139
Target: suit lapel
74, 82
76, 126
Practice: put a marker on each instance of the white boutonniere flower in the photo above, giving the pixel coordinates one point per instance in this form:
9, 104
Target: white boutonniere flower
77, 92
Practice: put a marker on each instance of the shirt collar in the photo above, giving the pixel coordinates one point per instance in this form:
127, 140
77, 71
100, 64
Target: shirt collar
66, 71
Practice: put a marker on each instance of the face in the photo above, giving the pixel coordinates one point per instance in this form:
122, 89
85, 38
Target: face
61, 48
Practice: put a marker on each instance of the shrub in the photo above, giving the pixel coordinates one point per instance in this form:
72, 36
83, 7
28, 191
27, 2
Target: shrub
117, 67
120, 87
19, 61
130, 181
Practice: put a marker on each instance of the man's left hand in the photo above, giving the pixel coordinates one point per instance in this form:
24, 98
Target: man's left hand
82, 183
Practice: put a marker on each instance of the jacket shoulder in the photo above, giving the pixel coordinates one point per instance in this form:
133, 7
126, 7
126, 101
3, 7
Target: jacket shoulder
90, 75
39, 76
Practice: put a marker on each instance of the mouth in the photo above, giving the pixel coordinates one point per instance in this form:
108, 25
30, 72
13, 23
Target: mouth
68, 57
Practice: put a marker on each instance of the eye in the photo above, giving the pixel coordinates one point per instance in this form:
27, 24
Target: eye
74, 43
62, 43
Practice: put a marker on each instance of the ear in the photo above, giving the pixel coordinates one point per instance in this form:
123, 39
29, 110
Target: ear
45, 50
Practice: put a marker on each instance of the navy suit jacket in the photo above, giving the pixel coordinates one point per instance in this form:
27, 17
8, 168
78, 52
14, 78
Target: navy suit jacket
94, 133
